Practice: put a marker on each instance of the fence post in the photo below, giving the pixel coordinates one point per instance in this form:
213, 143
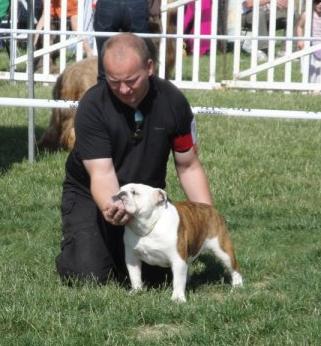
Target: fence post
31, 94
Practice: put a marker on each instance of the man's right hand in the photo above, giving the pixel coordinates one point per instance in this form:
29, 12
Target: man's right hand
282, 4
116, 214
300, 44
104, 183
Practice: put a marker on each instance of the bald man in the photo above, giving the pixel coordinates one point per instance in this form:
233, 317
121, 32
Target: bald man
126, 128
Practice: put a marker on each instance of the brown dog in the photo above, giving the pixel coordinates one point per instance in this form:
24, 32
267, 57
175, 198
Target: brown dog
71, 85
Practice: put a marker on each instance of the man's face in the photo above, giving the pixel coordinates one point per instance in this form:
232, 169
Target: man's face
128, 77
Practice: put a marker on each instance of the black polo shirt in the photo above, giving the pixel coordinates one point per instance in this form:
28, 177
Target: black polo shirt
105, 126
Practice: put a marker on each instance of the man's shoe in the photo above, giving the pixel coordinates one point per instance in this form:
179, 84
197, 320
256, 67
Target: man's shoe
280, 53
261, 56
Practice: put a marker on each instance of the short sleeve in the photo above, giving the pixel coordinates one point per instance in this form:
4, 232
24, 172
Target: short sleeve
185, 136
92, 135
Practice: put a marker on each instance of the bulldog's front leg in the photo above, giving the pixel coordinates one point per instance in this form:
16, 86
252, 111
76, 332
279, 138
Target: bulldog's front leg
134, 267
179, 269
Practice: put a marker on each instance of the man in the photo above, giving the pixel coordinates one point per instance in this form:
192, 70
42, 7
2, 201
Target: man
4, 7
264, 19
125, 128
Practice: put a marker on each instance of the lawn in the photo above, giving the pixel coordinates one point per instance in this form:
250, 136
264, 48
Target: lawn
265, 178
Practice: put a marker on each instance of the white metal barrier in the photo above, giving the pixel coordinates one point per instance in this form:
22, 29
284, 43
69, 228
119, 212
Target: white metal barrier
215, 111
243, 76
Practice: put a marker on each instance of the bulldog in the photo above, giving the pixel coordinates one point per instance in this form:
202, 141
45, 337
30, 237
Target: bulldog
172, 235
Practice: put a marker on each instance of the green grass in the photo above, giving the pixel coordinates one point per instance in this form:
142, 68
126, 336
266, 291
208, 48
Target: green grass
264, 175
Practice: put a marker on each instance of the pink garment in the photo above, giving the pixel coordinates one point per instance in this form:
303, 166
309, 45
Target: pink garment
205, 25
316, 32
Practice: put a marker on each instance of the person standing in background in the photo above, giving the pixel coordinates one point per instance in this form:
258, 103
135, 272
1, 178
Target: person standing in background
115, 16
55, 18
264, 21
4, 7
315, 58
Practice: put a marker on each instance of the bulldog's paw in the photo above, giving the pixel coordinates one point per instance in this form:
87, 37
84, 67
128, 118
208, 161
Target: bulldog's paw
237, 280
135, 290
178, 298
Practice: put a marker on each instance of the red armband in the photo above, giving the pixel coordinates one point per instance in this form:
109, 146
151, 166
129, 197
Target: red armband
182, 143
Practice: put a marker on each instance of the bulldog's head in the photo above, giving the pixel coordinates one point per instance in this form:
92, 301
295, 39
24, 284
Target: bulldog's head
141, 200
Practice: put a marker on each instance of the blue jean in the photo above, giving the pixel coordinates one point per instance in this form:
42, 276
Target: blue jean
119, 15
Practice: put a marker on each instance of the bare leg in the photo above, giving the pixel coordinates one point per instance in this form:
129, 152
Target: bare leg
87, 49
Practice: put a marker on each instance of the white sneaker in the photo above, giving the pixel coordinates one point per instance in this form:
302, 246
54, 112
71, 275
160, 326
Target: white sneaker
280, 53
261, 56
247, 46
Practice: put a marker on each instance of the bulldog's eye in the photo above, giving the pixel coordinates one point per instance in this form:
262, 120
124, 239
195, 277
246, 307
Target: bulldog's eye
134, 193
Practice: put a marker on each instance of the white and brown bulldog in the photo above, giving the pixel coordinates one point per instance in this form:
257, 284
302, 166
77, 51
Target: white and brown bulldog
172, 235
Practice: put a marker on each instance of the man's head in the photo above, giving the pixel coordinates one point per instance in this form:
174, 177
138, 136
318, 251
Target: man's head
128, 65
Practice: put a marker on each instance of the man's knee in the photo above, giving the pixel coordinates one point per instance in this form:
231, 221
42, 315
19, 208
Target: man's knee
74, 272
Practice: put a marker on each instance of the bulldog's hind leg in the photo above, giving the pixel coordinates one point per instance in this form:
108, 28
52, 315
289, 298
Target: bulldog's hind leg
224, 252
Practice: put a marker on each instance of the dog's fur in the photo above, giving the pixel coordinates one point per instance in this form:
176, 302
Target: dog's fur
172, 235
155, 27
71, 85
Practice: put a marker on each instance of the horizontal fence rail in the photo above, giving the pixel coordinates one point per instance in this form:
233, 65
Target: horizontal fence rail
217, 111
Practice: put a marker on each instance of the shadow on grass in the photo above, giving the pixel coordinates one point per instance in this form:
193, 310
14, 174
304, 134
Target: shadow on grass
213, 273
14, 145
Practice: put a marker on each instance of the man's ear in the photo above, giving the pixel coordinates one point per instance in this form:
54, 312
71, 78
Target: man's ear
150, 67
161, 197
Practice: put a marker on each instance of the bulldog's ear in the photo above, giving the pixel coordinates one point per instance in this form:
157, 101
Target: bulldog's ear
161, 197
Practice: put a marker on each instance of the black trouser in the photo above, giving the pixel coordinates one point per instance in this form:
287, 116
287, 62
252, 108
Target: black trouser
119, 15
84, 250
92, 248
